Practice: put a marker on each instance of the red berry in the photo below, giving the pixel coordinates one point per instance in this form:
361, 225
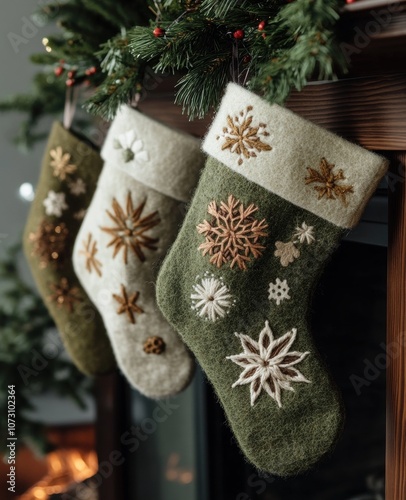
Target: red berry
261, 25
71, 73
239, 34
158, 32
58, 71
349, 1
70, 82
247, 59
91, 71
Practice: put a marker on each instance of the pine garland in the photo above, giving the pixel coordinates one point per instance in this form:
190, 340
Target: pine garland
217, 42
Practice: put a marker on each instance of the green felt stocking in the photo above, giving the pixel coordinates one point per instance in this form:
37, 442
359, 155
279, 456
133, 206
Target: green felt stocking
275, 198
68, 178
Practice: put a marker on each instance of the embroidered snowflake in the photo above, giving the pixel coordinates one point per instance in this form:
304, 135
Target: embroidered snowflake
233, 234
49, 243
287, 252
89, 251
133, 148
55, 203
268, 364
60, 163
305, 233
330, 187
130, 228
241, 138
77, 187
64, 295
79, 215
211, 298
279, 291
128, 304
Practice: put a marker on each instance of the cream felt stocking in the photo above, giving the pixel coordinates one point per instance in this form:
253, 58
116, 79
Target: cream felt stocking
150, 172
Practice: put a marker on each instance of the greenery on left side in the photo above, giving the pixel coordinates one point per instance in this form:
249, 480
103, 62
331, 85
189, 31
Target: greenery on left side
31, 359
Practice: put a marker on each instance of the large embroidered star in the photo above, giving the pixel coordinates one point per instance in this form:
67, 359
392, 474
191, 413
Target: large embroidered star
130, 228
268, 364
60, 163
330, 187
128, 304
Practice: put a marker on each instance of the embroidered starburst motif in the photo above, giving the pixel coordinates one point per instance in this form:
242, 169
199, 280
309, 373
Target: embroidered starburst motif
130, 228
330, 187
77, 187
211, 298
233, 234
128, 304
132, 147
304, 233
55, 203
279, 291
89, 251
61, 163
268, 364
64, 295
242, 138
49, 242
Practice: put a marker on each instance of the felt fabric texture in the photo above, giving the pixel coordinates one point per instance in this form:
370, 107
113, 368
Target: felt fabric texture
148, 350
176, 162
282, 440
274, 147
68, 178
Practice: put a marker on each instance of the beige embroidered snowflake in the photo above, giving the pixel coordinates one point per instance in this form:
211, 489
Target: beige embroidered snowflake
287, 252
132, 147
242, 138
328, 182
305, 233
60, 163
211, 298
269, 364
233, 235
77, 187
279, 291
55, 203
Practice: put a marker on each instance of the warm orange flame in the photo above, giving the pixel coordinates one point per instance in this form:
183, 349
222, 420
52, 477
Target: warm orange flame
64, 468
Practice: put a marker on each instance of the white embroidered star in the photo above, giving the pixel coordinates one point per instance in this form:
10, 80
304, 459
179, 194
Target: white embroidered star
77, 187
279, 291
55, 203
133, 148
211, 299
305, 233
268, 364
